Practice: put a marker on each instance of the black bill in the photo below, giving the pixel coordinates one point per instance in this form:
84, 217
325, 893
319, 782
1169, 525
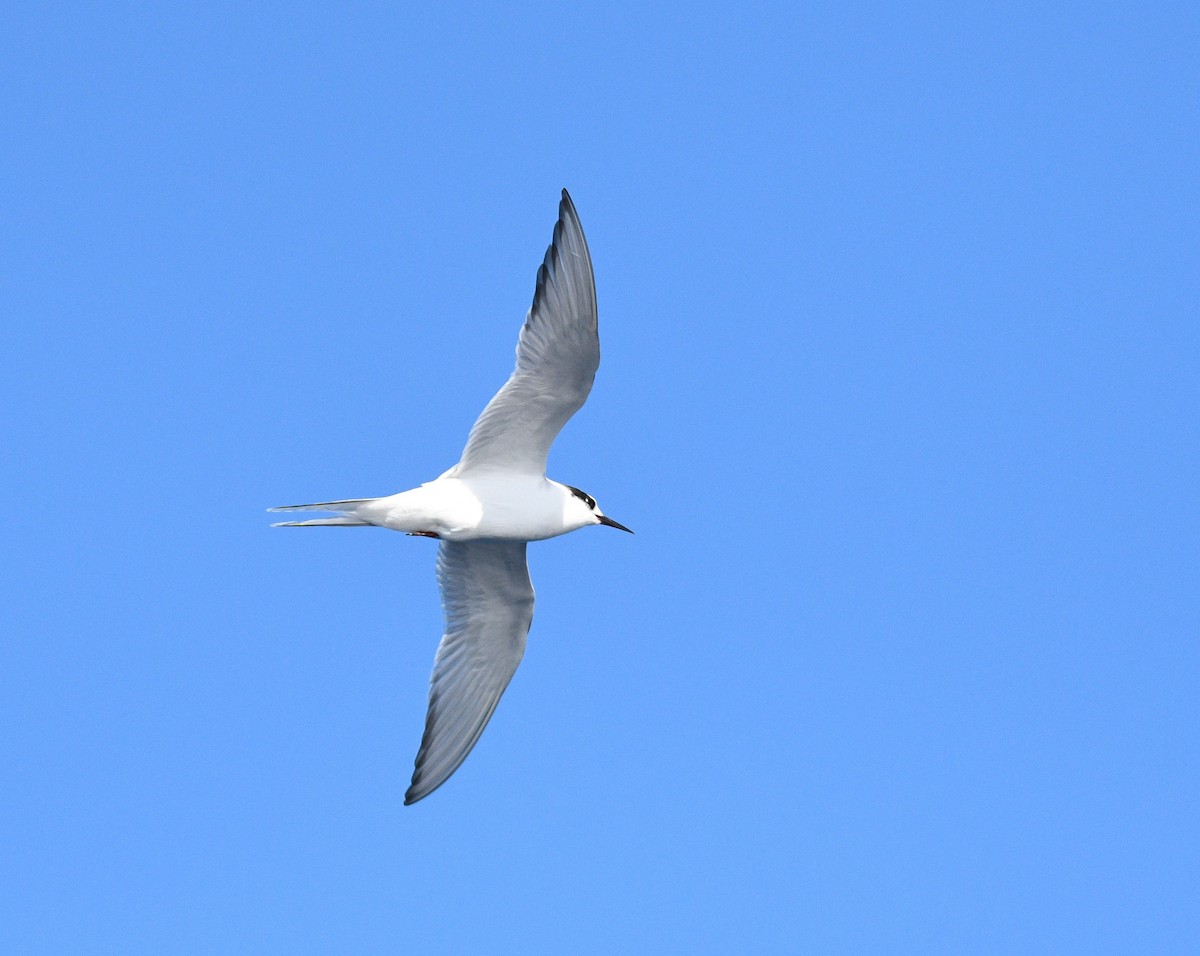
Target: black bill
605, 519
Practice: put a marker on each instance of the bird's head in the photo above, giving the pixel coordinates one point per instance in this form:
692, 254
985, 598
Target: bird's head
582, 509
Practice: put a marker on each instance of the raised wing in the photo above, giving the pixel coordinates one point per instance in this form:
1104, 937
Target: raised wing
488, 601
557, 357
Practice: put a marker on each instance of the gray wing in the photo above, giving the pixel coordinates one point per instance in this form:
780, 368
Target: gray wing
557, 357
488, 601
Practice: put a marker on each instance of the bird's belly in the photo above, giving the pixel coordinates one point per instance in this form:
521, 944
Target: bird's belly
516, 526
512, 509
458, 510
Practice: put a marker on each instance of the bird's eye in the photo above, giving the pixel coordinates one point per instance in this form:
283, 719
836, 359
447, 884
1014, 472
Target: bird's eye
584, 497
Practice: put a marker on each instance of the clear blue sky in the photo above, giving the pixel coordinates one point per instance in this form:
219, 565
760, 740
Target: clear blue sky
900, 387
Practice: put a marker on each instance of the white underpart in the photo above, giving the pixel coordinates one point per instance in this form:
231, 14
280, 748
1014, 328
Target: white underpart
513, 508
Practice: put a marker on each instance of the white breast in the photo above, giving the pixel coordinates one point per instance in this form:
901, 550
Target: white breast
518, 507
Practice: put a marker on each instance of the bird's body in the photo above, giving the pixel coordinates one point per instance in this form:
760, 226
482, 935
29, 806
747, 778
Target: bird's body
497, 498
508, 508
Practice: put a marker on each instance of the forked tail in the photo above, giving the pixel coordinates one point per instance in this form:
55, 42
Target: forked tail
344, 520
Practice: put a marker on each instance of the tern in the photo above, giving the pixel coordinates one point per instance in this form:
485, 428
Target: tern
485, 509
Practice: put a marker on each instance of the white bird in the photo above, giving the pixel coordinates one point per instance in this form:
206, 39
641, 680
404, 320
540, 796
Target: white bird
497, 498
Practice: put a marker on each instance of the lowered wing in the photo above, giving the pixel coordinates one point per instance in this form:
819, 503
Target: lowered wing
488, 601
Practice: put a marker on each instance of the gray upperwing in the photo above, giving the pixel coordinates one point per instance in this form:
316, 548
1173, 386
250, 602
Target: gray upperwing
557, 356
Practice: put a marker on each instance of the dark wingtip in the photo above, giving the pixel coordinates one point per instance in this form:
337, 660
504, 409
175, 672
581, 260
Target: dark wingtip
566, 204
410, 795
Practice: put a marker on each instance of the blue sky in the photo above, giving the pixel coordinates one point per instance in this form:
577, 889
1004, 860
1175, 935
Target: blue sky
899, 392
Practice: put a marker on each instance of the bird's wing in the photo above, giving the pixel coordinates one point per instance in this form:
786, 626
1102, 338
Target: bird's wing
488, 601
557, 357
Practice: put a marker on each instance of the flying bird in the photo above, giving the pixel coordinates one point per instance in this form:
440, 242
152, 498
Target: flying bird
485, 509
